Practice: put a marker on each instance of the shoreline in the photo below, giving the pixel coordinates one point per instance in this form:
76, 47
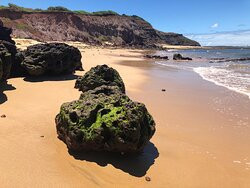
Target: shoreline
201, 135
202, 130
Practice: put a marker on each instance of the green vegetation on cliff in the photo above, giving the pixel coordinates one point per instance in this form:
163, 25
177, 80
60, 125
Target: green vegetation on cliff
57, 9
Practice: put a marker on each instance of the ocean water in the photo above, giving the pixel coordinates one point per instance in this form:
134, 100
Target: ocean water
220, 66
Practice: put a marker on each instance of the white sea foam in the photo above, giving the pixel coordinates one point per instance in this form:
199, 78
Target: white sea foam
227, 78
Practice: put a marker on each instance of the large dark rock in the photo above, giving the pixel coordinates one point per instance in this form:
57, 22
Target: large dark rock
180, 57
156, 57
98, 76
51, 58
5, 33
105, 119
8, 45
5, 60
17, 70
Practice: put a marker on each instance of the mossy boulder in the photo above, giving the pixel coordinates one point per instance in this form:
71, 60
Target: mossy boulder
98, 76
51, 58
105, 119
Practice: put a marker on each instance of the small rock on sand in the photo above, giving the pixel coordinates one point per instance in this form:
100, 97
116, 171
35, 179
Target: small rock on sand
3, 116
163, 90
147, 178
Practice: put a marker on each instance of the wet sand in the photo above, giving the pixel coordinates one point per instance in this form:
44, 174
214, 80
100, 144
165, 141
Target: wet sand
202, 130
202, 134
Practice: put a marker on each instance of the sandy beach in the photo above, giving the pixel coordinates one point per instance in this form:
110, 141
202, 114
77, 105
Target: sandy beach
201, 139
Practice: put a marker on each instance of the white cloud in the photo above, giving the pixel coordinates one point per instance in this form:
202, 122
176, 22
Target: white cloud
233, 38
215, 25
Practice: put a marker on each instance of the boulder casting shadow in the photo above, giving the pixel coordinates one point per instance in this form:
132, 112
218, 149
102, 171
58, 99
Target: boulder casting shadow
134, 164
4, 86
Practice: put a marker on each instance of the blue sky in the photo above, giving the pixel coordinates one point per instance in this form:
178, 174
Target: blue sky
182, 16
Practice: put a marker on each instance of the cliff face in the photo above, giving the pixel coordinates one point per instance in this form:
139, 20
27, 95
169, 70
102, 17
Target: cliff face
95, 29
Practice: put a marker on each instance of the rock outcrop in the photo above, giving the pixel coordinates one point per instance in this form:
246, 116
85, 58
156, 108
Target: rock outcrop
12, 67
51, 58
5, 33
5, 62
180, 57
17, 70
98, 76
156, 57
176, 39
7, 52
118, 30
104, 119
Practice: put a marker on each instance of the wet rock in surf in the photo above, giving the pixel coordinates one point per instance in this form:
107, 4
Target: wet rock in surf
51, 58
105, 119
156, 57
180, 57
98, 76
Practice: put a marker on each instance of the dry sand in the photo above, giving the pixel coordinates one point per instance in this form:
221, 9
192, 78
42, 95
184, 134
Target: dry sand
202, 137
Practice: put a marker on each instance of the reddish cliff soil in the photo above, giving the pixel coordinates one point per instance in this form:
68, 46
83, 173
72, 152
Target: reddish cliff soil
119, 30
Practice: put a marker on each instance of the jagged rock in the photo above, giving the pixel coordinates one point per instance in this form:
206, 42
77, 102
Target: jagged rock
17, 70
5, 33
98, 76
16, 58
222, 60
51, 58
156, 57
180, 57
5, 62
7, 52
11, 58
105, 119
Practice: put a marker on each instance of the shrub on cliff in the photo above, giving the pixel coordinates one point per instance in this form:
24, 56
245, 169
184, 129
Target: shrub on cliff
105, 13
81, 12
58, 9
19, 8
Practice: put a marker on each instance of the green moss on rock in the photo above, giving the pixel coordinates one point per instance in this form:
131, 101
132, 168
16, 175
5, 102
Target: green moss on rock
98, 76
105, 119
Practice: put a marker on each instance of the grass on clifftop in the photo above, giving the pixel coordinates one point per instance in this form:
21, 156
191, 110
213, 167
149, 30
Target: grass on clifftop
57, 9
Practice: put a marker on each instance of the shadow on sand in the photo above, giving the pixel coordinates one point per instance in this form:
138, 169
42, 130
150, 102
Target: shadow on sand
136, 165
4, 86
51, 78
